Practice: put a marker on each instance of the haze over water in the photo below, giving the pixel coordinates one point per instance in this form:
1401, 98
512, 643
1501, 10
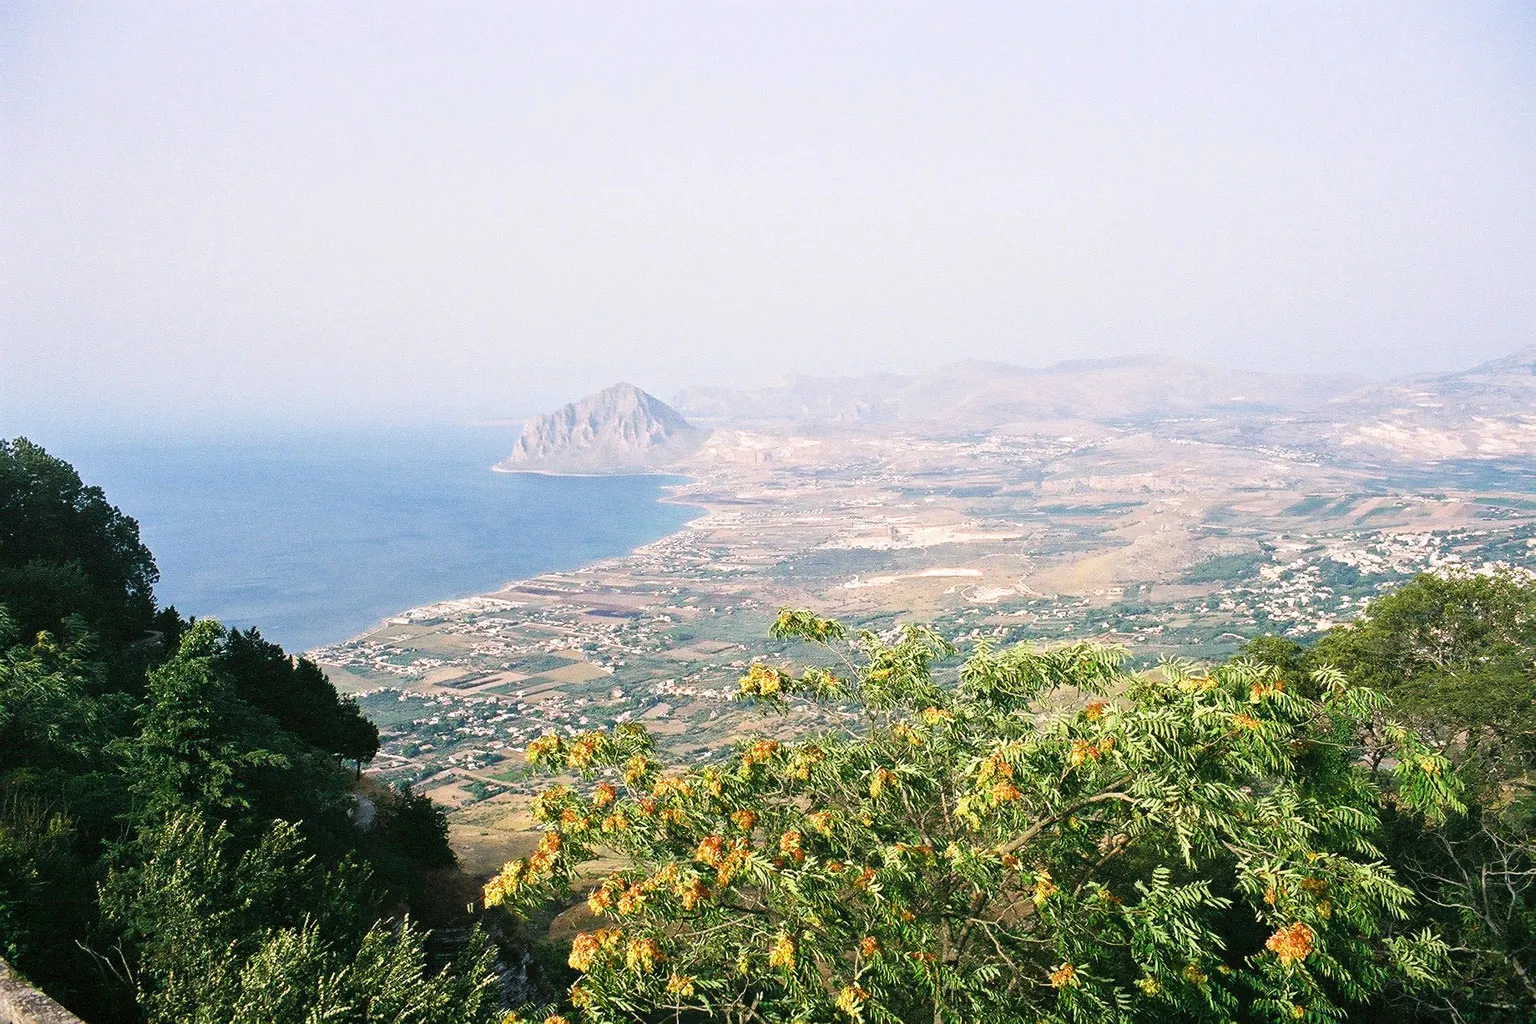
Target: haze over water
313, 539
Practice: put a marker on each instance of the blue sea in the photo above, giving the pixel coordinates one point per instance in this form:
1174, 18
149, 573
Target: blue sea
314, 539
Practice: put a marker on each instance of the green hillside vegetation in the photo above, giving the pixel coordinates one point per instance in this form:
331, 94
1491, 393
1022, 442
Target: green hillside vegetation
176, 800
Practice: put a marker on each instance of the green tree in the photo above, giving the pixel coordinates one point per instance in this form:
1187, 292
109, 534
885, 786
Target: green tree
65, 550
215, 936
1047, 839
1457, 655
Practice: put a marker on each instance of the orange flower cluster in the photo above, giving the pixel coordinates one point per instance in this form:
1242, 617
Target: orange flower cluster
821, 821
544, 806
744, 819
599, 900
590, 947
1083, 752
671, 785
759, 753
879, 780
791, 845
1004, 792
903, 731
693, 893
762, 681
711, 851
1292, 943
1065, 976
869, 946
995, 766
544, 748
604, 795
722, 855
1095, 710
1264, 689
544, 855
618, 821
1243, 721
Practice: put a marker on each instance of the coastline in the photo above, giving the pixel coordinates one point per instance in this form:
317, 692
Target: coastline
668, 496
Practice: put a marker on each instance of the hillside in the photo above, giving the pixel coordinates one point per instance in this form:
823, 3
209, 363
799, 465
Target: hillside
620, 429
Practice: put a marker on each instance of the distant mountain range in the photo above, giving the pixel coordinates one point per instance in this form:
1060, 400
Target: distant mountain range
1488, 411
982, 395
618, 430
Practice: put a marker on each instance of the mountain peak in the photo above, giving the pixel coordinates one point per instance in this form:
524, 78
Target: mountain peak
620, 429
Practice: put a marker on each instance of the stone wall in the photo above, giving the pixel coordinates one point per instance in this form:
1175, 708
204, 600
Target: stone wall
20, 1003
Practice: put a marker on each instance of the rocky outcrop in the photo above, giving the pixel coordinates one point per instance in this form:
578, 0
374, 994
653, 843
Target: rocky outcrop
20, 1003
618, 430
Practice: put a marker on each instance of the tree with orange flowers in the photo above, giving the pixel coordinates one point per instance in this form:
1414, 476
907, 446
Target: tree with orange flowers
1039, 836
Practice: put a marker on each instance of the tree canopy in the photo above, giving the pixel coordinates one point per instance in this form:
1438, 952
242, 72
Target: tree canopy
1047, 839
176, 837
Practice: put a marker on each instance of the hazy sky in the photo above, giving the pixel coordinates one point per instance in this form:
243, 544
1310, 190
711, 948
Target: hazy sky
255, 213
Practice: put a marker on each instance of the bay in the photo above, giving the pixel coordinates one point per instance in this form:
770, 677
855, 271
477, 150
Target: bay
316, 538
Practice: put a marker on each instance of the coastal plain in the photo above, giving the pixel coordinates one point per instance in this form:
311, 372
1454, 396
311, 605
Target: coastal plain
1175, 537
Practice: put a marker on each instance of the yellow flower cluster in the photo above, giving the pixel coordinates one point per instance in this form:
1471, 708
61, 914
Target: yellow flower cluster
637, 769
762, 681
604, 795
680, 985
1095, 710
710, 851
933, 716
801, 760
672, 785
582, 750
1045, 887
782, 953
1242, 721
643, 955
851, 1000
1082, 752
879, 780
821, 821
